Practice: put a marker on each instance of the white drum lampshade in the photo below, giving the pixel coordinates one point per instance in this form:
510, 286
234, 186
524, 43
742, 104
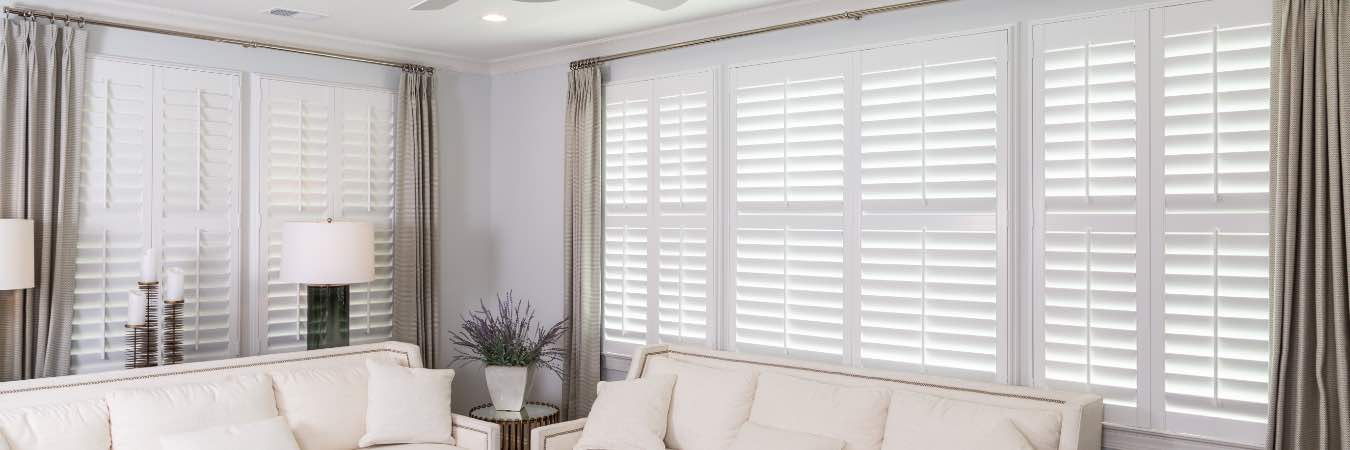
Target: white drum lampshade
327, 253
16, 254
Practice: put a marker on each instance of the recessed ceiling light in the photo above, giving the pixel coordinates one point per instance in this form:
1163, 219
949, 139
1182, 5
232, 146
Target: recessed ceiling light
494, 18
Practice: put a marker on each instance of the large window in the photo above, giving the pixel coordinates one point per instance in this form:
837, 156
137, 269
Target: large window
163, 166
856, 207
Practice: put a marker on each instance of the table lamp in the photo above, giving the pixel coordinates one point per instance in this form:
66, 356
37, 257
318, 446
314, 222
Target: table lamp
16, 254
328, 257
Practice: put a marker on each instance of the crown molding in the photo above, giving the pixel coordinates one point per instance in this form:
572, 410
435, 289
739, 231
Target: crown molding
679, 32
136, 13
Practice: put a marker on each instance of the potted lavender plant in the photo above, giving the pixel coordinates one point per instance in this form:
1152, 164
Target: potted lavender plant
510, 345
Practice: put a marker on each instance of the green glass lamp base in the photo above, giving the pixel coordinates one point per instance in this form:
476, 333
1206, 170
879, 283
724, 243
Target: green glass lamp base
328, 317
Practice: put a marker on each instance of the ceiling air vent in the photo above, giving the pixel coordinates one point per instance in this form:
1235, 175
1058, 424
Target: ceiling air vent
293, 14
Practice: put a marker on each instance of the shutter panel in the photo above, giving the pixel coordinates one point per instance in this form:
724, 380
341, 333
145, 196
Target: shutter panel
682, 228
929, 152
198, 227
1215, 293
628, 214
114, 197
366, 121
788, 234
626, 286
296, 127
1088, 135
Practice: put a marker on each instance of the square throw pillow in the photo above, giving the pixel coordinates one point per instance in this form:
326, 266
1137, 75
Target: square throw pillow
326, 408
753, 436
407, 406
270, 434
629, 415
914, 416
81, 424
140, 417
853, 413
708, 406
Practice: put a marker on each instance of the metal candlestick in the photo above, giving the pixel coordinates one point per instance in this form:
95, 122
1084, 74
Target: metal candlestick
143, 340
173, 331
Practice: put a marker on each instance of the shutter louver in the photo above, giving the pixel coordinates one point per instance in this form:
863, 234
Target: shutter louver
1216, 81
788, 238
930, 149
626, 285
1090, 282
683, 118
115, 161
683, 289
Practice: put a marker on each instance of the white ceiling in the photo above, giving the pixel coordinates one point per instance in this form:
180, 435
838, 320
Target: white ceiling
456, 31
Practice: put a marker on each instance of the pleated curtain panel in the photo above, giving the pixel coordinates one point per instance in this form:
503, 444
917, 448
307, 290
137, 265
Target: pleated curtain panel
584, 237
42, 72
1310, 193
416, 215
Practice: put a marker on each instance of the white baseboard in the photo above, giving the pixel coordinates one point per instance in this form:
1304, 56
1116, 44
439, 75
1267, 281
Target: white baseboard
1114, 437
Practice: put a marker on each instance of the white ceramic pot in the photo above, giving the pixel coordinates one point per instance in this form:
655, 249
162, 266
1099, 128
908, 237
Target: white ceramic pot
507, 385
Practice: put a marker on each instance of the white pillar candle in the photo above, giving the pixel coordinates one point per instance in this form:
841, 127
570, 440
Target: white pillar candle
173, 284
149, 266
136, 306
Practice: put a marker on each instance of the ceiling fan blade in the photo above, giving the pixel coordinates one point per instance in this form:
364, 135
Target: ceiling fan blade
431, 5
664, 5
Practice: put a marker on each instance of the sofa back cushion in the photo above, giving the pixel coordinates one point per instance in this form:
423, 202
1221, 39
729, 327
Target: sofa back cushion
326, 408
919, 421
856, 415
708, 405
78, 425
140, 417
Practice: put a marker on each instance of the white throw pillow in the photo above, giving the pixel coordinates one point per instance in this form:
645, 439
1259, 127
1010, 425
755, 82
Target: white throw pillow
68, 425
754, 436
140, 417
407, 406
708, 406
916, 418
269, 434
855, 414
326, 408
629, 415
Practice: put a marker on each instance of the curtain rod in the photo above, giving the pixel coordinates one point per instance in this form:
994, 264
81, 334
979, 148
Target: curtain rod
30, 12
848, 15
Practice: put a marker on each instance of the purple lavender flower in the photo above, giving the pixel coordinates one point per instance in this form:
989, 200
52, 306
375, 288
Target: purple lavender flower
508, 337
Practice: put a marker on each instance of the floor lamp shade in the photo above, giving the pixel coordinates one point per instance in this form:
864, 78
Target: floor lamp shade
16, 254
328, 257
327, 253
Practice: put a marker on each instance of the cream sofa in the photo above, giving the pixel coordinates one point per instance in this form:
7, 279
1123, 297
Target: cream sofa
321, 393
1064, 421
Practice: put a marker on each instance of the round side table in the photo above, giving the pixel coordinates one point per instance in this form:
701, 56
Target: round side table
516, 425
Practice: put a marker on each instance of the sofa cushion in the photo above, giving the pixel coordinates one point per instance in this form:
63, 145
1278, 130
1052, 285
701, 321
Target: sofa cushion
140, 417
753, 436
407, 405
915, 419
708, 405
326, 408
857, 415
68, 425
267, 434
417, 447
629, 415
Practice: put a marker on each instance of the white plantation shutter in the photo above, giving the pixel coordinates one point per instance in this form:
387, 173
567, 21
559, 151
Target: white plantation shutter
160, 168
115, 163
1090, 87
930, 146
1214, 132
658, 239
366, 123
788, 134
326, 152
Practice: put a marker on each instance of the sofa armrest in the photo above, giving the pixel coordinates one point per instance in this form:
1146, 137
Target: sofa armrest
559, 436
474, 434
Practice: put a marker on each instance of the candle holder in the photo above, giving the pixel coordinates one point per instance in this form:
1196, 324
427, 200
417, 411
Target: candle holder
143, 340
173, 331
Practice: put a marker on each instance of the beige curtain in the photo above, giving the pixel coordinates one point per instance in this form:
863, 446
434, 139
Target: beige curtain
583, 228
1310, 194
416, 216
42, 77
